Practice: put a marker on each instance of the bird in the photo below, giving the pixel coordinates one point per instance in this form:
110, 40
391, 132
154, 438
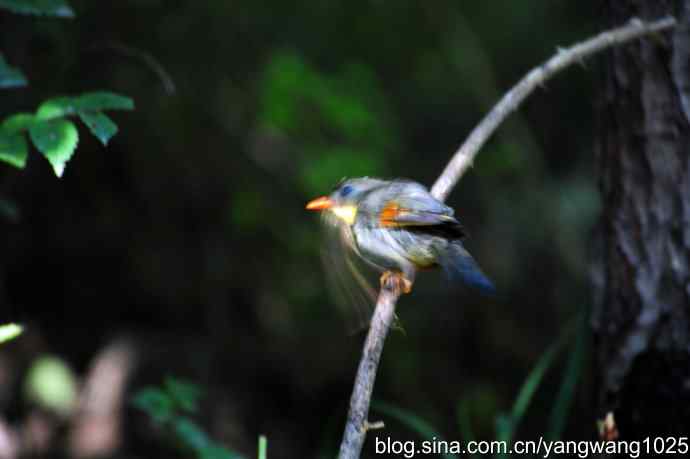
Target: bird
398, 228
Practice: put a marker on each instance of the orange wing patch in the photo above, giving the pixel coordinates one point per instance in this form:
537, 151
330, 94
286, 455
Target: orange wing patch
389, 214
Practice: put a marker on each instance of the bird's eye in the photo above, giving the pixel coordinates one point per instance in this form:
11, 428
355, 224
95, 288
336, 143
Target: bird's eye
344, 191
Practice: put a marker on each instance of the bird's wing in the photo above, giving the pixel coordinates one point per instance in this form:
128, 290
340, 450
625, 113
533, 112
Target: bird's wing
345, 274
410, 205
400, 212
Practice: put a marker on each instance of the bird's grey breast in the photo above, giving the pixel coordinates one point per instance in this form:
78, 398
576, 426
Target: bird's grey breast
378, 246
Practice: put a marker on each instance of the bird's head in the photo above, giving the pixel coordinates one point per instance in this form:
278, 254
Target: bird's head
344, 201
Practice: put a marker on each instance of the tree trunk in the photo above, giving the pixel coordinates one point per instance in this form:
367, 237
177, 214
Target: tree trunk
641, 318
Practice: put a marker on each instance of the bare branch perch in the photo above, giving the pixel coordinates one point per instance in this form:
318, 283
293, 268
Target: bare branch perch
356, 427
357, 424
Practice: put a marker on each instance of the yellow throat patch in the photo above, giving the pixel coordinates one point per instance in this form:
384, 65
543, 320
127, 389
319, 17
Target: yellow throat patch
345, 213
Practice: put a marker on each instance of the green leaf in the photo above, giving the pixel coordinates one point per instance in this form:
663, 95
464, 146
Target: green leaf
57, 140
504, 429
18, 122
13, 148
10, 77
412, 421
217, 452
88, 102
51, 384
529, 387
263, 446
561, 407
103, 100
99, 124
9, 332
56, 108
156, 403
184, 394
190, 434
59, 8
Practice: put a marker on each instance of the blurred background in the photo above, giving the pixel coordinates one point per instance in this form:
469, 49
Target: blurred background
183, 250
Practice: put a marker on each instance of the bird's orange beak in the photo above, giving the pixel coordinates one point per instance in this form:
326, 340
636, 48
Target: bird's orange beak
322, 203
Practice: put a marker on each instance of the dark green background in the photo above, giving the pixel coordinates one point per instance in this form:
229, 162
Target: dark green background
188, 233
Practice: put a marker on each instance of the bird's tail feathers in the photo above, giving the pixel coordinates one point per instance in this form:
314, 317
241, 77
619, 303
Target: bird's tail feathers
459, 264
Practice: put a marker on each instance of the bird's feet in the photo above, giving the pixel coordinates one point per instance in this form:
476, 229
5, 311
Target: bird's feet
396, 280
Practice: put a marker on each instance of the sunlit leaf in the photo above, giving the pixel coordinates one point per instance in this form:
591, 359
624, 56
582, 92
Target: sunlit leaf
263, 446
13, 148
55, 108
99, 124
10, 77
59, 8
57, 140
51, 384
9, 332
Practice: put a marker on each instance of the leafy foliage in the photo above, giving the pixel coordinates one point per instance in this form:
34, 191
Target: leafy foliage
58, 8
171, 406
9, 332
343, 121
53, 135
10, 77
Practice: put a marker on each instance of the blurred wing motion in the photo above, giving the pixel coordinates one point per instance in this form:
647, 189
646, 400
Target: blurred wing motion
344, 271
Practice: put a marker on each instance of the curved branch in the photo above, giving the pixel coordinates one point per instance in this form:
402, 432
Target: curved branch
357, 425
464, 156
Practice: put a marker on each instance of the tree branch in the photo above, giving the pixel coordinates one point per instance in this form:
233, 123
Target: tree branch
464, 156
356, 426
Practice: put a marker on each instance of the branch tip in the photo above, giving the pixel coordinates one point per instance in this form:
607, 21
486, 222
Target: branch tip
376, 425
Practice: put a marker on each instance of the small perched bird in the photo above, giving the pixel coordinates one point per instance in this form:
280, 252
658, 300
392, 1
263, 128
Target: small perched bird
397, 227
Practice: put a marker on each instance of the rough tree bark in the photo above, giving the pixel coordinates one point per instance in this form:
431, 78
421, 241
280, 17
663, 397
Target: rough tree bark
641, 318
